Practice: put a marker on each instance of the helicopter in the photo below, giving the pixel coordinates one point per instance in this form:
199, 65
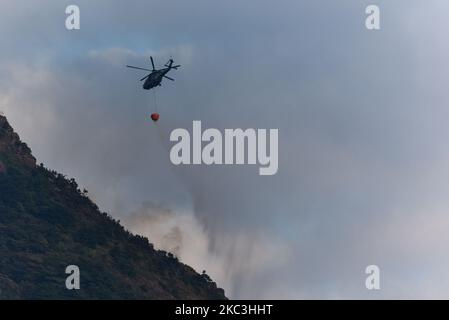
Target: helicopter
154, 78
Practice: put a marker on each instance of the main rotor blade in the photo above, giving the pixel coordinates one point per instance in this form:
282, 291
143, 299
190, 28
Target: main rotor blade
152, 62
139, 68
145, 77
169, 78
176, 67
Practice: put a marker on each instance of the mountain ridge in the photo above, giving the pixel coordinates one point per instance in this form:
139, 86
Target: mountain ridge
47, 223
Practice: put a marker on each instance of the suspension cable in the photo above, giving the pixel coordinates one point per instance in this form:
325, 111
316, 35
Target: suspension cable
155, 100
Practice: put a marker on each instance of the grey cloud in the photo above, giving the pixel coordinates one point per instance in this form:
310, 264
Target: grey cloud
361, 116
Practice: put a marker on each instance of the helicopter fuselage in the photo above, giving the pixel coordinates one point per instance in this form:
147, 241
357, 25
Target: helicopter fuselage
155, 78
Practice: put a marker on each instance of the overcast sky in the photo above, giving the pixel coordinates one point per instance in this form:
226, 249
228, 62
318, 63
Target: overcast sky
362, 118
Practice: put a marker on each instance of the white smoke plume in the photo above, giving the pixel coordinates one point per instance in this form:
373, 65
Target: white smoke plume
235, 257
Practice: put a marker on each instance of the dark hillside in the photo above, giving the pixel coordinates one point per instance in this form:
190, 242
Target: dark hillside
47, 223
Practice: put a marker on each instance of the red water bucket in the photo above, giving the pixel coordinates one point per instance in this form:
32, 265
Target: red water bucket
155, 117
